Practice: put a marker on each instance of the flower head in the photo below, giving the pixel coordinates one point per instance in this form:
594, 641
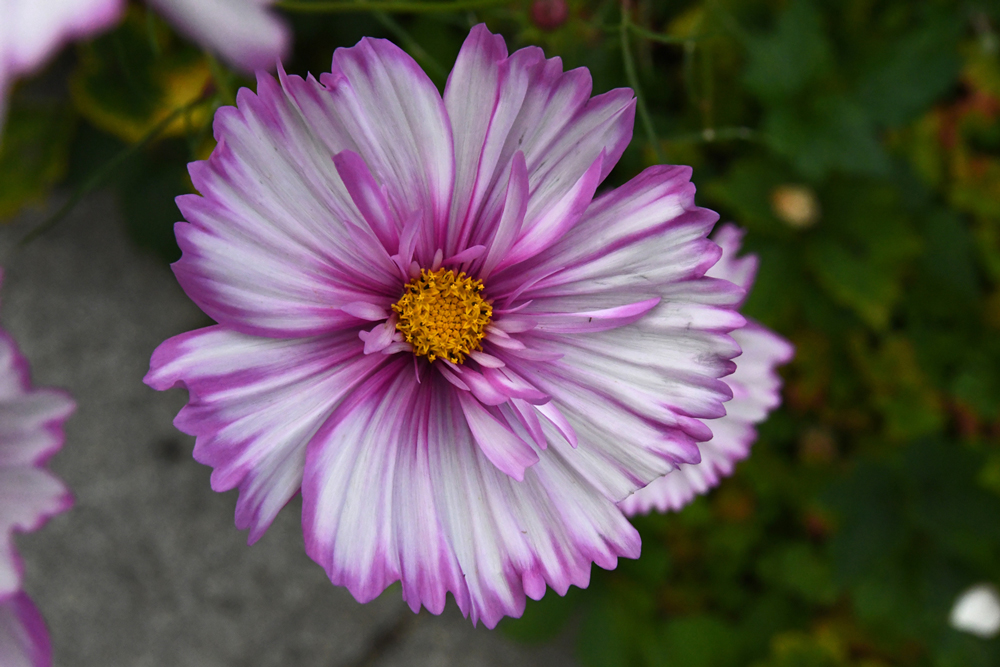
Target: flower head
30, 432
756, 390
243, 32
429, 325
32, 30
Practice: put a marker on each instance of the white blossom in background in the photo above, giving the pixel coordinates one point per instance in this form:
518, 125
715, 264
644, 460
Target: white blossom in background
977, 611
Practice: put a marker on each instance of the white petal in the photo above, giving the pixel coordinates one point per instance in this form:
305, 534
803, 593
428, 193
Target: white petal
244, 32
977, 611
254, 405
399, 489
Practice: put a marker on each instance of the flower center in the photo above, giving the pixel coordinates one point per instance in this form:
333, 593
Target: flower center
442, 314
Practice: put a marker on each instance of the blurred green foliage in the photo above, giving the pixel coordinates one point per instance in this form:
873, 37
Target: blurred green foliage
859, 143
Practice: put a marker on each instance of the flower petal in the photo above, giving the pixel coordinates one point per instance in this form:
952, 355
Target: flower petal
508, 227
755, 386
396, 117
24, 640
525, 103
561, 216
243, 32
397, 488
509, 453
756, 390
739, 270
633, 240
29, 496
368, 197
276, 244
33, 31
254, 405
30, 419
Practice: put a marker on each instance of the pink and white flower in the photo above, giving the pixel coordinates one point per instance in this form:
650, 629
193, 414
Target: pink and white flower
244, 32
756, 390
30, 433
32, 30
429, 325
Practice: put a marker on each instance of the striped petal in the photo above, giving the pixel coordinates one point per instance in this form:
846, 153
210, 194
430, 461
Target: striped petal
254, 404
396, 488
756, 391
524, 103
756, 388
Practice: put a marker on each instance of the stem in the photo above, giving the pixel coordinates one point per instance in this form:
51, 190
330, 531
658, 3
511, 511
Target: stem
633, 80
222, 79
388, 6
106, 170
710, 135
657, 37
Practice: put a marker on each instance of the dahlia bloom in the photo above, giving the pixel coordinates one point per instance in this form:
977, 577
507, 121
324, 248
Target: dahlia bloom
243, 32
32, 30
756, 391
30, 432
429, 325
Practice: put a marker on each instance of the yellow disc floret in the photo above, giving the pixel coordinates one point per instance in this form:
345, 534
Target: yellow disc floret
442, 314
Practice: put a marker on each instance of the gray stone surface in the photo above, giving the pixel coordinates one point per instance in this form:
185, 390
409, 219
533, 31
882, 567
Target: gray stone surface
148, 568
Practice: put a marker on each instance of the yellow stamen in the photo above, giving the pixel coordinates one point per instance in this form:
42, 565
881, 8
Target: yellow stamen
442, 314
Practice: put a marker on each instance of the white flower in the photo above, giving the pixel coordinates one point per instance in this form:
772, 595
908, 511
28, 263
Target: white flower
977, 611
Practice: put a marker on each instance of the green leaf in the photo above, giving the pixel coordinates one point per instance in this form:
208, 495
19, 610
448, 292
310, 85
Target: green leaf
125, 88
698, 641
611, 635
872, 531
949, 258
907, 75
781, 63
34, 154
863, 248
827, 133
799, 569
746, 191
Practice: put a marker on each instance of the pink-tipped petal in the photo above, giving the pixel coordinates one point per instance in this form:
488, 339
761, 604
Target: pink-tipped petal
275, 243
756, 388
244, 32
508, 228
397, 488
30, 421
254, 404
525, 103
31, 431
636, 239
396, 118
29, 496
368, 197
24, 640
31, 31
561, 216
739, 270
